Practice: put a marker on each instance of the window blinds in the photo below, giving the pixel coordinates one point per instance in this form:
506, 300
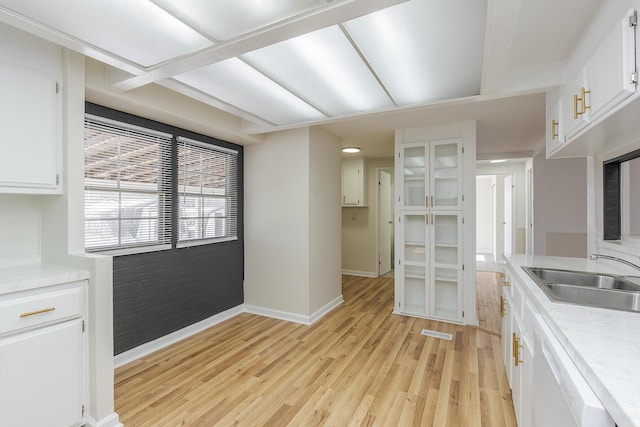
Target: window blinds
127, 185
208, 189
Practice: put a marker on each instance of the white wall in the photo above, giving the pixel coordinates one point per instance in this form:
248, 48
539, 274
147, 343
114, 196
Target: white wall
292, 224
276, 222
325, 255
20, 226
560, 206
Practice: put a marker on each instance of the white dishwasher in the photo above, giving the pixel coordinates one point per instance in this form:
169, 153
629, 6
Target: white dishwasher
561, 396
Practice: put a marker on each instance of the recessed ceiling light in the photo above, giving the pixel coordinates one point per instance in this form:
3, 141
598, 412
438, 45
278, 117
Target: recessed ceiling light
351, 150
498, 161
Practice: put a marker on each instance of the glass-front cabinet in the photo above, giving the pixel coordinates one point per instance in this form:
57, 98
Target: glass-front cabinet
431, 175
430, 265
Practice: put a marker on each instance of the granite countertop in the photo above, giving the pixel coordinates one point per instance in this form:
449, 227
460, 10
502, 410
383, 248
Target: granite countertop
604, 344
21, 276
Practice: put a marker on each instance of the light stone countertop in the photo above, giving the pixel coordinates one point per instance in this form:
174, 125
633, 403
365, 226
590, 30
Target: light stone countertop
604, 344
21, 276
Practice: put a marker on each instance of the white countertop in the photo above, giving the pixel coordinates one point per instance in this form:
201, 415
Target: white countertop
604, 344
16, 277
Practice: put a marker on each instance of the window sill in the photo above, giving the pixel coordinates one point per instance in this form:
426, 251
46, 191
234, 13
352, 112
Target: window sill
189, 243
131, 251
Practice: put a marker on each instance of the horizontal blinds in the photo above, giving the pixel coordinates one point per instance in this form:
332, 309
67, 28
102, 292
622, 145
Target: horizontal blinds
208, 190
127, 185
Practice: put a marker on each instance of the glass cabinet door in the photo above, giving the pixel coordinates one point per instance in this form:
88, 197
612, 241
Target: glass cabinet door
445, 262
445, 166
415, 263
414, 176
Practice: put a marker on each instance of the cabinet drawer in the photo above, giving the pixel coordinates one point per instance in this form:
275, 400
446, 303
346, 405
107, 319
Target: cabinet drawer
42, 308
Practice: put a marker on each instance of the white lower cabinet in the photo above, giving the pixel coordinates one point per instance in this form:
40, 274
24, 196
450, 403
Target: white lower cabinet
517, 347
42, 357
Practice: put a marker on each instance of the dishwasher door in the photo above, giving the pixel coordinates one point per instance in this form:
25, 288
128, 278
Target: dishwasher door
561, 395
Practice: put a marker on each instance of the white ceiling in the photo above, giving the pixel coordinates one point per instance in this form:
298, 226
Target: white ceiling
359, 68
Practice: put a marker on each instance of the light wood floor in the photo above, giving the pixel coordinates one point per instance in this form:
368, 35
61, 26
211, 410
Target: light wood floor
359, 365
488, 288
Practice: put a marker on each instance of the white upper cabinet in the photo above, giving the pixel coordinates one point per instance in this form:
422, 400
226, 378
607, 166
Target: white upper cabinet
555, 126
30, 114
608, 78
353, 182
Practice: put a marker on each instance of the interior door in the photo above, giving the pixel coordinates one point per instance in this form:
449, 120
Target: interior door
508, 215
385, 224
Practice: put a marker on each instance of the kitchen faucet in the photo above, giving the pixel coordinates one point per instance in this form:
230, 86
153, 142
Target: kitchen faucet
612, 258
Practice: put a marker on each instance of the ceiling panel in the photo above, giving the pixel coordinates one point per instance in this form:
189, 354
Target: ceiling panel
323, 68
135, 30
425, 50
223, 20
238, 84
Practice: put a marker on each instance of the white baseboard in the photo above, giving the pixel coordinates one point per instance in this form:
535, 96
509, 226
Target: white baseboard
360, 273
320, 313
112, 420
162, 342
277, 314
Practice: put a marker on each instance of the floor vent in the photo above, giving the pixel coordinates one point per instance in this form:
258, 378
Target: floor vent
437, 334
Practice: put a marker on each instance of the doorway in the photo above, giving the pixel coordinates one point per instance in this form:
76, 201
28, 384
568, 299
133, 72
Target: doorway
385, 221
494, 220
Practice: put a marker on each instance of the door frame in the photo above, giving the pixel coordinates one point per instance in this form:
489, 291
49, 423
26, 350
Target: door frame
390, 171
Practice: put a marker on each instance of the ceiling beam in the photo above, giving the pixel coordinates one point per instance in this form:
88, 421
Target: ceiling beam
334, 13
502, 19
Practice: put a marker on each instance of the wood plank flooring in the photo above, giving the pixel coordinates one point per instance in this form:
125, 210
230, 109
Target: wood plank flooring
360, 365
488, 289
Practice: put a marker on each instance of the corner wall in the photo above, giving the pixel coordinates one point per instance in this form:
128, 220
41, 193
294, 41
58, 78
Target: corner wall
292, 252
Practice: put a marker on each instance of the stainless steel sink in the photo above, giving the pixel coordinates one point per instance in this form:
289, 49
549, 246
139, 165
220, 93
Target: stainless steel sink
592, 289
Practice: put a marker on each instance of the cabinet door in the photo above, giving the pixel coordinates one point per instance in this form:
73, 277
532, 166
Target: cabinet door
445, 266
507, 333
413, 265
414, 162
353, 182
574, 101
445, 175
610, 69
41, 380
555, 128
29, 117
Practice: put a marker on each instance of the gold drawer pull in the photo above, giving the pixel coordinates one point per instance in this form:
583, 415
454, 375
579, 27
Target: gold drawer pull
507, 284
33, 313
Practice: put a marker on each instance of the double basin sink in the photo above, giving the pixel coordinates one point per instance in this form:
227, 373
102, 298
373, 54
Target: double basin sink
591, 289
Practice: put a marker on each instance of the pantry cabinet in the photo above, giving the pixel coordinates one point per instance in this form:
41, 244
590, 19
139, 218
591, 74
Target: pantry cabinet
431, 265
42, 356
430, 223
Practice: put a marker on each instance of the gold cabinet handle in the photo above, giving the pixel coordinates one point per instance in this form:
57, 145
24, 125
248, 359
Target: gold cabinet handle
554, 124
583, 100
33, 313
432, 201
426, 201
584, 92
516, 350
503, 311
506, 284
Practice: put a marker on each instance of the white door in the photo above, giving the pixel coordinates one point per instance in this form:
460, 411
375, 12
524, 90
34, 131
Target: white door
508, 215
385, 224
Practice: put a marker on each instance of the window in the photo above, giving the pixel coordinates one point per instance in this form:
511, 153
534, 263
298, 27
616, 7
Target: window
207, 188
620, 202
127, 198
137, 195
